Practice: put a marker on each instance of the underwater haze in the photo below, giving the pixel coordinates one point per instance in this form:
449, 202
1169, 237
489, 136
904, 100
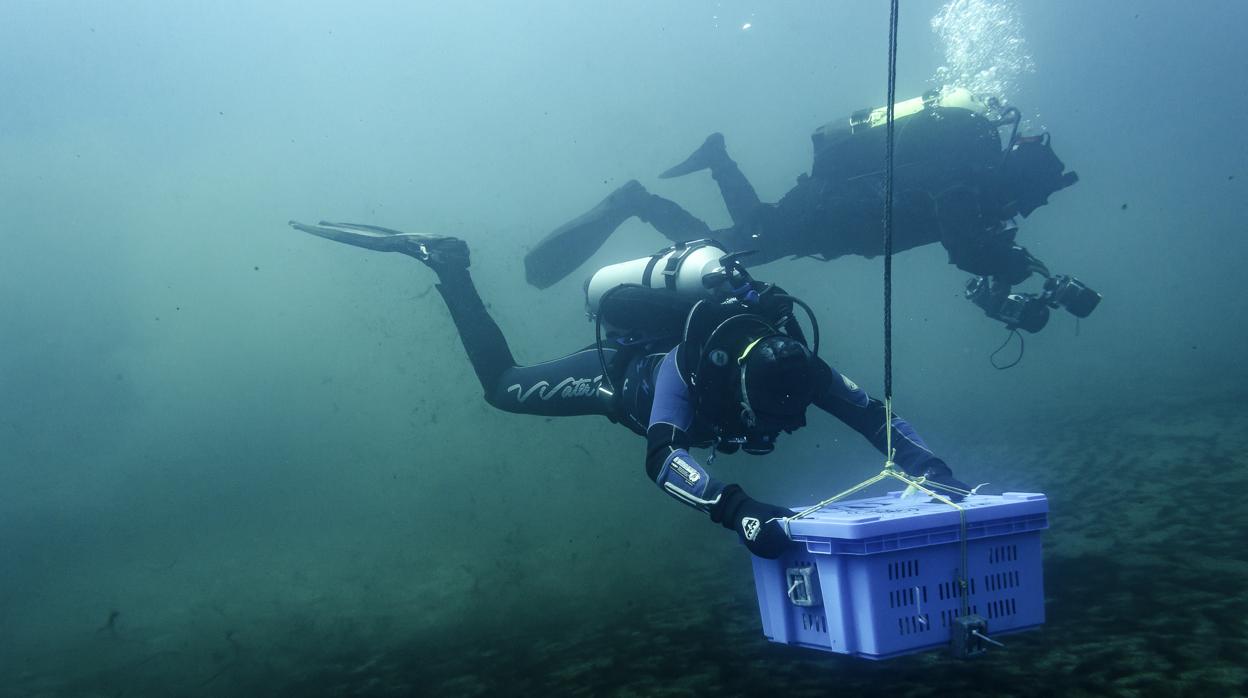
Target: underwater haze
237, 460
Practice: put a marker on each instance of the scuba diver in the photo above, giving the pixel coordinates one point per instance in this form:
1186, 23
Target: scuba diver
954, 185
695, 353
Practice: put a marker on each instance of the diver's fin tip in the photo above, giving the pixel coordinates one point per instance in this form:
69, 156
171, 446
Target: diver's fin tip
707, 156
680, 170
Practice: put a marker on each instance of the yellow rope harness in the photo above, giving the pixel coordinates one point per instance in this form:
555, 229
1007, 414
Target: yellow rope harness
913, 484
891, 470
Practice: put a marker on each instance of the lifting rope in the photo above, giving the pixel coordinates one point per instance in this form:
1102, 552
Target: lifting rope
888, 231
920, 484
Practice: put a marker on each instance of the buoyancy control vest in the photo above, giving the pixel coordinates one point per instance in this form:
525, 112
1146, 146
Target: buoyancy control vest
942, 130
701, 298
649, 298
716, 346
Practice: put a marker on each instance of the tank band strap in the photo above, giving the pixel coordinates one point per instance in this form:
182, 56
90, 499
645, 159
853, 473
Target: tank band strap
650, 265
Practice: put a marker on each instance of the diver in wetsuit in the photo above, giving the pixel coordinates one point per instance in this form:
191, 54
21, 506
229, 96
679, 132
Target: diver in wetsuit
954, 184
737, 373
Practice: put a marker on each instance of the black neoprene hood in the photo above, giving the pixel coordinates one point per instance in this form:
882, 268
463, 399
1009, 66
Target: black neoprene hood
779, 376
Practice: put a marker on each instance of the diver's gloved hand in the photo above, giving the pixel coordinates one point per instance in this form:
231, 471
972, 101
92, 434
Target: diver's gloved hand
757, 523
940, 475
1017, 264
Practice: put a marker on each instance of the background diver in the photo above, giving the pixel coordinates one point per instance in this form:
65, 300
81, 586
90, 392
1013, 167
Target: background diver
954, 184
730, 370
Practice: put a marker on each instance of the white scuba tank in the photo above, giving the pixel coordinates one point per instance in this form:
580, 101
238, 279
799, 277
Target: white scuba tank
680, 269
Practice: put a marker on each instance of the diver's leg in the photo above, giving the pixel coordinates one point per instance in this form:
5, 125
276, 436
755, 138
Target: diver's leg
675, 223
561, 388
564, 387
571, 244
739, 195
483, 341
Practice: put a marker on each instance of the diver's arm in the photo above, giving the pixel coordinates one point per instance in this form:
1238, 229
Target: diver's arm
671, 467
668, 462
995, 256
982, 245
843, 399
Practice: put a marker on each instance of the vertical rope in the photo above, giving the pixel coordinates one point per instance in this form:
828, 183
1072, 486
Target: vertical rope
888, 233
890, 471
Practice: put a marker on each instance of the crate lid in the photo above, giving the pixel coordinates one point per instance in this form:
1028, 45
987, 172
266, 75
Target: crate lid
891, 514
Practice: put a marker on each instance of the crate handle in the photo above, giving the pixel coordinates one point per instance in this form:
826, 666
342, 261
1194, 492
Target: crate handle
797, 581
918, 607
985, 638
801, 591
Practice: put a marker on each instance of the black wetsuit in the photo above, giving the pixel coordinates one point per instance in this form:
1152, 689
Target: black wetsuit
946, 190
953, 185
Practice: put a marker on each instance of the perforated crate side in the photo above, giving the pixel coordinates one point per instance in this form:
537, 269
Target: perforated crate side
903, 601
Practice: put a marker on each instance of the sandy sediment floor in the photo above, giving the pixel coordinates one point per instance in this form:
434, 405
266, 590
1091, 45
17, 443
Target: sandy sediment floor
1146, 574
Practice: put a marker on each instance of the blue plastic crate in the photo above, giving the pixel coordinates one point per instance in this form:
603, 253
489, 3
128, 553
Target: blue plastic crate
877, 577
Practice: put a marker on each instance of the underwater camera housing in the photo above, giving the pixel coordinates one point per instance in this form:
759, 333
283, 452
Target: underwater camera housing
1030, 311
1070, 293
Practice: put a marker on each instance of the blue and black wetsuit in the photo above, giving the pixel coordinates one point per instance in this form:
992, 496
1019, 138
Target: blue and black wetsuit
674, 428
658, 350
562, 387
654, 398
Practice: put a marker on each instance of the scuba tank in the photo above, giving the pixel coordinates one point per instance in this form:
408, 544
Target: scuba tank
651, 297
648, 298
948, 98
646, 303
698, 294
683, 268
950, 127
643, 303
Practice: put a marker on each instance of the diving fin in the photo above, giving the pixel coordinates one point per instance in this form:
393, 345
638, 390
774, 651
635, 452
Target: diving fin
710, 153
565, 248
437, 251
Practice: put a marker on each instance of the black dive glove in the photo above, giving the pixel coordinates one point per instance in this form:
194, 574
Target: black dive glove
1016, 265
753, 521
938, 473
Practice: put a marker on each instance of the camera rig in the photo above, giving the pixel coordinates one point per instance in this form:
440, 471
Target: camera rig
1030, 311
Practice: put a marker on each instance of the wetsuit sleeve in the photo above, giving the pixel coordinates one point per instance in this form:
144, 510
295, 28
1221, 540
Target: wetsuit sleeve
668, 462
843, 399
995, 257
980, 246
